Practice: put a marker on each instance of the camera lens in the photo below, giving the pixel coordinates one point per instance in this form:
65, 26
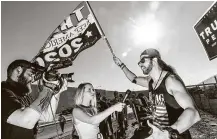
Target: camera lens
68, 77
51, 76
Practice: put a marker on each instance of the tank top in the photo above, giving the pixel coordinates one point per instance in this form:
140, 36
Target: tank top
86, 130
166, 110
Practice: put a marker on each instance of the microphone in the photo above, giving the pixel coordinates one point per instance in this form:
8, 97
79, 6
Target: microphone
127, 94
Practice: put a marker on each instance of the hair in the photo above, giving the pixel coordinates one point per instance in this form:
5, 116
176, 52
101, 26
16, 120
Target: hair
166, 67
80, 95
128, 90
170, 69
17, 63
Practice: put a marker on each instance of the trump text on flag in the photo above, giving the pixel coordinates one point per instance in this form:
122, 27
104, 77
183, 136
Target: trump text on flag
75, 34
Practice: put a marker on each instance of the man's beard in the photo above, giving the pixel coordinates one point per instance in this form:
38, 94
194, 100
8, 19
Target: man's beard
148, 69
22, 80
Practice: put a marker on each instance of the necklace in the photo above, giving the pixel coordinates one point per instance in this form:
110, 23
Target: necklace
157, 81
151, 94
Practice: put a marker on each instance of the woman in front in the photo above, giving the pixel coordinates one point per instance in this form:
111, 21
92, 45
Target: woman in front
85, 116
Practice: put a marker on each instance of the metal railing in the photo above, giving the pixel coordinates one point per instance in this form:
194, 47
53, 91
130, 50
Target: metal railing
205, 96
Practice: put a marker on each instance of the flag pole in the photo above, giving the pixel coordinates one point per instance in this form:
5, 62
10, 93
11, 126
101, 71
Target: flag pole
100, 28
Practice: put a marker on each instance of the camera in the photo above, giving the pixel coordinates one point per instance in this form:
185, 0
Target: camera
68, 76
52, 74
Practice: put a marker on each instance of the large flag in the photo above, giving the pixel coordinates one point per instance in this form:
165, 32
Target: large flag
206, 29
76, 33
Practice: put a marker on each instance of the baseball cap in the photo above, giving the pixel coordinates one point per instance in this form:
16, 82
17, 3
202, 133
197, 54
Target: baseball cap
150, 53
24, 63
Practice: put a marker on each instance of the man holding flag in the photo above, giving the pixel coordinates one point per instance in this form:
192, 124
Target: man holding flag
174, 110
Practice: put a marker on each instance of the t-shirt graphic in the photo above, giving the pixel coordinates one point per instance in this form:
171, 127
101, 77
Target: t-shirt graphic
160, 113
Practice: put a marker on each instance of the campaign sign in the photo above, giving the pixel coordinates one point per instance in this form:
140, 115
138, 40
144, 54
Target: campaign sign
206, 29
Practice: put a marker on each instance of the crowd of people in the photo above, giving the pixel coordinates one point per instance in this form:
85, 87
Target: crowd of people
140, 108
167, 113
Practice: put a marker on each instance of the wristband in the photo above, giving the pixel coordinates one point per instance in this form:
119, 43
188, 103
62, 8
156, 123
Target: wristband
122, 65
174, 134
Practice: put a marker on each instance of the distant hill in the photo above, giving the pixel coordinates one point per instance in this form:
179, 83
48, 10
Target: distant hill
210, 80
66, 98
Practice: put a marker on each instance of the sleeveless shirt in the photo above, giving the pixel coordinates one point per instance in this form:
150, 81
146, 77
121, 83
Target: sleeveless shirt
166, 110
86, 130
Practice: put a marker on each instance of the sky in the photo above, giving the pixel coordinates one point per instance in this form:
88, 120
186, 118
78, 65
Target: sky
130, 27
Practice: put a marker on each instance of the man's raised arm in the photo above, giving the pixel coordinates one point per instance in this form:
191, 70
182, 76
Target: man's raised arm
142, 81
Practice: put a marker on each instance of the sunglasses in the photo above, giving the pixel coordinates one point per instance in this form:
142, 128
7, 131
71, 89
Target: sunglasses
143, 60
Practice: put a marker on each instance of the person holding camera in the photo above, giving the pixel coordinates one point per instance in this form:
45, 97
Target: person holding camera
20, 114
85, 116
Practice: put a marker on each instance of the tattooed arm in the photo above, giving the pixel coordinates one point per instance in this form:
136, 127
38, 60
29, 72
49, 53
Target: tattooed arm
47, 114
28, 117
38, 110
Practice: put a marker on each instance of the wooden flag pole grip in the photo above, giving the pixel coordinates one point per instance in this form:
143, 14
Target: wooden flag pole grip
110, 48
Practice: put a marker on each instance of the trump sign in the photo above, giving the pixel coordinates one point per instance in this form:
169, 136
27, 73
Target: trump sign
206, 29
